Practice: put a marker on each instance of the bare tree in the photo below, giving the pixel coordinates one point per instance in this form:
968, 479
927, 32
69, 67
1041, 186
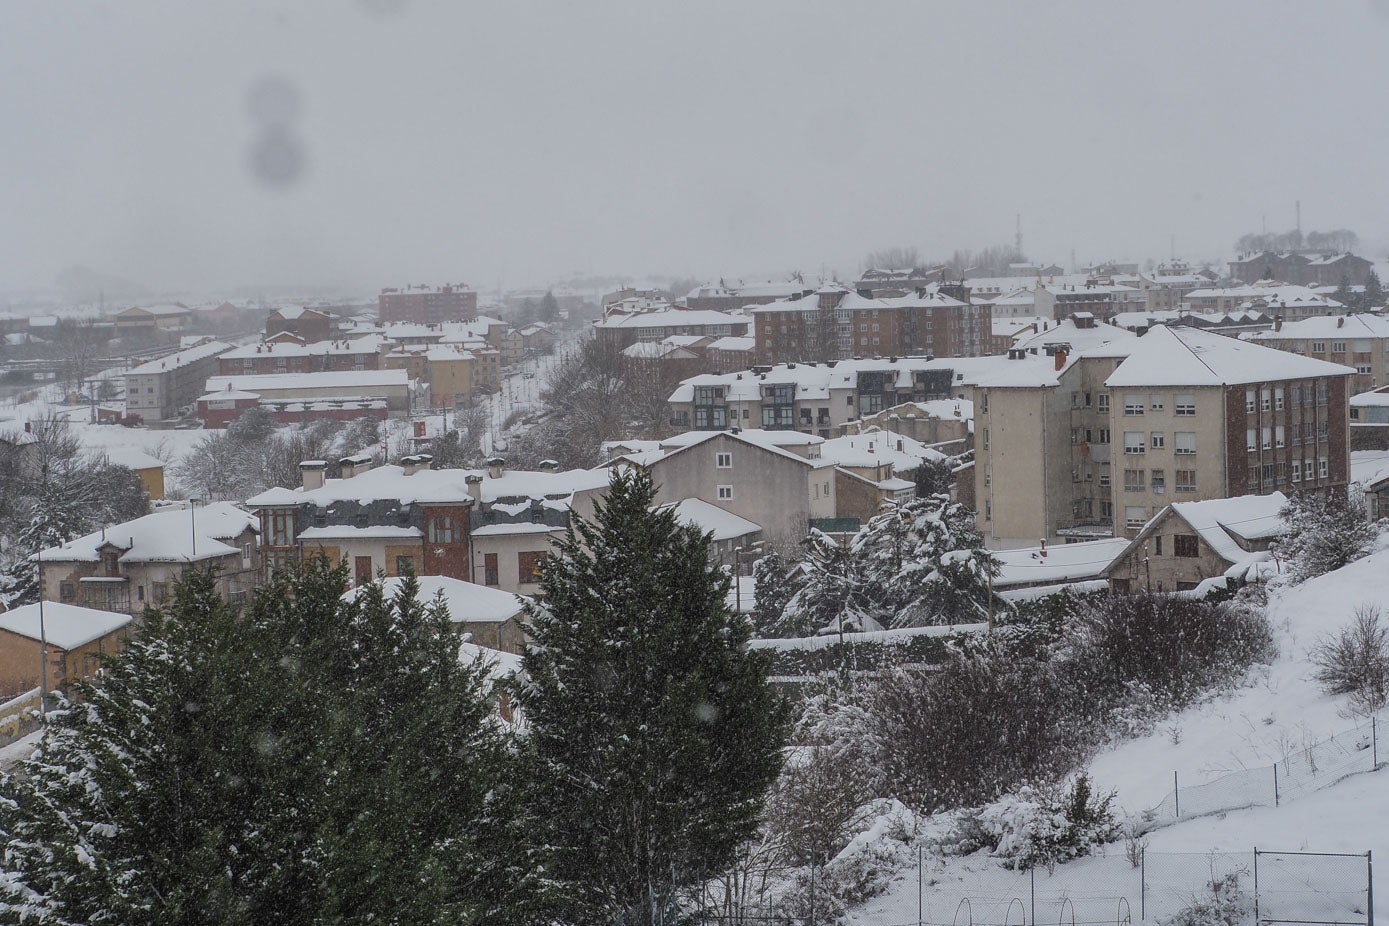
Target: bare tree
898, 258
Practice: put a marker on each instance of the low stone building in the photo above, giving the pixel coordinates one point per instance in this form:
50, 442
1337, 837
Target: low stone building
77, 640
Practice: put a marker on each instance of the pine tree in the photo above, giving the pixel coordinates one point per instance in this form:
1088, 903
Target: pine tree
834, 594
1345, 297
548, 310
651, 725
311, 761
1373, 297
59, 515
1323, 531
775, 582
933, 477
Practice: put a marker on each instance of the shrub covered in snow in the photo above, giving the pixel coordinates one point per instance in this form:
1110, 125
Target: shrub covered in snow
1356, 661
1044, 826
1323, 532
1223, 904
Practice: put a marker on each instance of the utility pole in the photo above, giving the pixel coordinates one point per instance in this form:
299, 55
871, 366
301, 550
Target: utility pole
43, 644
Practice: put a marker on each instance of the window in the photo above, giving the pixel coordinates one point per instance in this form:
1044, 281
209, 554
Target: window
1318, 347
1297, 396
1135, 517
1133, 442
1321, 392
1297, 470
489, 569
725, 460
1185, 406
984, 401
1278, 398
725, 492
1265, 399
1266, 438
1159, 440
444, 529
1363, 368
1251, 440
986, 438
1104, 401
1133, 405
1249, 400
1102, 436
1157, 545
529, 566
1159, 481
67, 591
1075, 435
281, 528
404, 565
988, 510
1184, 442
1279, 437
1134, 480
1186, 480
1155, 401
1322, 468
1186, 546
1338, 347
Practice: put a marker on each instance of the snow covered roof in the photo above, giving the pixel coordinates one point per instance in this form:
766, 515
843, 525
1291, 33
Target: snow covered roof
228, 395
734, 342
1181, 356
671, 318
1067, 332
853, 301
466, 601
1279, 295
815, 380
1063, 562
132, 458
437, 485
164, 309
1222, 522
65, 626
365, 345
1355, 325
724, 525
182, 358
1369, 467
875, 447
1376, 398
750, 290
164, 537
772, 441
333, 379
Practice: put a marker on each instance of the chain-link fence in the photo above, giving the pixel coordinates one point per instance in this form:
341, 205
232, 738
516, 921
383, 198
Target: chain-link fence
1306, 767
1254, 888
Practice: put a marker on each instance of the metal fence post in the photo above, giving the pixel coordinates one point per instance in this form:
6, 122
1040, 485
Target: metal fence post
1176, 797
1275, 784
1256, 886
920, 907
1032, 889
1369, 888
1142, 885
1374, 740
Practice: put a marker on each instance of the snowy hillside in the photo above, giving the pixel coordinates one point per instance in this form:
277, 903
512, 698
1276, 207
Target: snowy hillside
1224, 750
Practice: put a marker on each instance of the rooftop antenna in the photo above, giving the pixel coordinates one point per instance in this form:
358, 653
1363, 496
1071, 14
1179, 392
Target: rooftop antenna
1017, 237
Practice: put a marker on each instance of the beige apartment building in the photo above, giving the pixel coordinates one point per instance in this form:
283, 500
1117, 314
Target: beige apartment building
1107, 439
158, 389
1358, 340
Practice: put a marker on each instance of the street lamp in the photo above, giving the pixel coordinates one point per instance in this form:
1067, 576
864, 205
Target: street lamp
193, 525
43, 644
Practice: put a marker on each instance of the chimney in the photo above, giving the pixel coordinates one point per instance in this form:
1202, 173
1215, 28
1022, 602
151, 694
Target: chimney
1340, 321
313, 472
1060, 360
28, 427
409, 465
1277, 323
355, 465
549, 466
474, 483
496, 466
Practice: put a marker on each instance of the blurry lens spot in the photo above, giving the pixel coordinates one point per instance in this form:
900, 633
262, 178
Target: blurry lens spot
277, 158
273, 101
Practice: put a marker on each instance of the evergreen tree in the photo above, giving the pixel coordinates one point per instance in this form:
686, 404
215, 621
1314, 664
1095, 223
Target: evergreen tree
651, 725
59, 515
774, 584
1373, 297
548, 310
933, 477
833, 595
1345, 297
312, 761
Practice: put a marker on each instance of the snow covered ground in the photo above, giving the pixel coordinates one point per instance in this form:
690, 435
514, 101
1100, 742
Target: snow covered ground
1270, 720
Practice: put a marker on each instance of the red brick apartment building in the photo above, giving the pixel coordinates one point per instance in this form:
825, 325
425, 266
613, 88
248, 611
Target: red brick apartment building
424, 305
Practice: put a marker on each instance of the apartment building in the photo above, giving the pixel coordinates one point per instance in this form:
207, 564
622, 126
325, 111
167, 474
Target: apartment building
1100, 298
836, 323
1305, 269
393, 386
1294, 303
1103, 442
159, 389
618, 331
491, 527
309, 325
819, 398
314, 357
734, 295
1357, 340
426, 305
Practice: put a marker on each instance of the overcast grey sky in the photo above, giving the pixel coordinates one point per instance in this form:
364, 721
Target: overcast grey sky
522, 142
